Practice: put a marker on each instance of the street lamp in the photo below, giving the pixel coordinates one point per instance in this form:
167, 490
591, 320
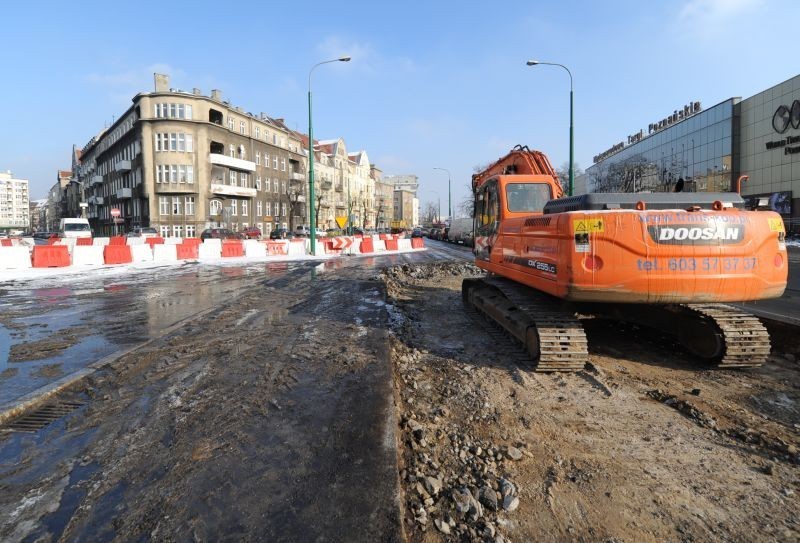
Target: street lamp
449, 202
571, 146
313, 220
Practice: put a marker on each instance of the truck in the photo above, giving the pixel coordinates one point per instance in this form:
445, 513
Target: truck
74, 228
665, 260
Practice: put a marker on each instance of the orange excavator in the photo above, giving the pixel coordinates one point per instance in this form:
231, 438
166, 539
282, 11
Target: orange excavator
666, 260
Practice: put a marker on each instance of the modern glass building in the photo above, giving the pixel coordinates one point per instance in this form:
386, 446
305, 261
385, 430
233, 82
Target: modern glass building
709, 149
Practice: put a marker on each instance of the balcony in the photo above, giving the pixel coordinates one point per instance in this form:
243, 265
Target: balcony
297, 176
228, 190
96, 200
95, 180
229, 161
122, 166
339, 187
123, 194
300, 199
325, 184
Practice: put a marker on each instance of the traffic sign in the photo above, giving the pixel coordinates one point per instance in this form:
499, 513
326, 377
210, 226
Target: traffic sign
341, 221
115, 212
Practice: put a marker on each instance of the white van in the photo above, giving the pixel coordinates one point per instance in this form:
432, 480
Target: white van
74, 228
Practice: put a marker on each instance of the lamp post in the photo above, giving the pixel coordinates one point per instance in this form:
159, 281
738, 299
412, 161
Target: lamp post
571, 141
313, 220
449, 201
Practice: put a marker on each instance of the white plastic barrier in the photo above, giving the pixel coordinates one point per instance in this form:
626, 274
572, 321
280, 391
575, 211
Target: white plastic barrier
379, 245
403, 244
69, 242
14, 258
209, 251
354, 249
134, 241
173, 241
254, 249
141, 253
100, 241
87, 255
213, 241
165, 253
297, 249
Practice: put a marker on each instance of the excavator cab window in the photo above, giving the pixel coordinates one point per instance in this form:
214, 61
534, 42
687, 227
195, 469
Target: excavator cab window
527, 197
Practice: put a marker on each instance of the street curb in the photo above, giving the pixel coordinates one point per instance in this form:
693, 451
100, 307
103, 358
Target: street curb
32, 400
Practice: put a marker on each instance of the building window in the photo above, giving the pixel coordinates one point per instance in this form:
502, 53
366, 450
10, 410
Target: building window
232, 179
257, 131
266, 160
233, 208
266, 186
189, 205
176, 205
259, 208
190, 231
174, 142
267, 208
215, 207
163, 205
275, 186
283, 164
244, 208
231, 123
283, 186
258, 158
275, 140
177, 230
164, 231
275, 162
283, 210
242, 128
243, 180
232, 151
258, 183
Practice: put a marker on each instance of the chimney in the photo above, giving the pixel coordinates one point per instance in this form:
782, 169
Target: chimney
216, 95
162, 82
196, 91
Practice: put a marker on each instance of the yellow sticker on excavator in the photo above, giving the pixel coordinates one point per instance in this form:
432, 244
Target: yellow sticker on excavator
776, 225
586, 226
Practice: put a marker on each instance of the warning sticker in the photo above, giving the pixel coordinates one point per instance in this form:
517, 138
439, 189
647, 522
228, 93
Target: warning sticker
582, 243
586, 226
776, 225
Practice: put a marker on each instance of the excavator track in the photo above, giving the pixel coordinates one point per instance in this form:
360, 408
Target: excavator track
554, 338
746, 341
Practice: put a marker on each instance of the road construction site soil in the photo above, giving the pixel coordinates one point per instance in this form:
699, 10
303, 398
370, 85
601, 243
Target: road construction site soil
645, 444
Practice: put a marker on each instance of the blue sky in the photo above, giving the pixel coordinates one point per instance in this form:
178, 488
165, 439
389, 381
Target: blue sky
431, 84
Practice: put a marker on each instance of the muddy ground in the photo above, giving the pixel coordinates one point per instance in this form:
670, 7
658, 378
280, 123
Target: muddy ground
643, 445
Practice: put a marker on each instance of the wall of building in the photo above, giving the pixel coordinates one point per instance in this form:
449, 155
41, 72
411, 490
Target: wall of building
14, 202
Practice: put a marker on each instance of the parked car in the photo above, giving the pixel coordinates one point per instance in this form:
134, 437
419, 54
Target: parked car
142, 232
219, 233
416, 233
281, 233
251, 232
39, 235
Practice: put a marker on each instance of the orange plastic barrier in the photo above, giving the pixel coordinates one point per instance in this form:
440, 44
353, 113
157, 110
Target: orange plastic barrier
191, 241
232, 247
391, 244
154, 241
50, 256
187, 251
367, 245
382, 237
117, 240
117, 254
52, 240
5, 243
84, 241
417, 243
274, 248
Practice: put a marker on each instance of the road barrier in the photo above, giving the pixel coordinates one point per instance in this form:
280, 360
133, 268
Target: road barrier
209, 251
101, 241
117, 240
403, 244
254, 249
134, 241
6, 243
87, 255
142, 253
297, 247
417, 243
154, 241
391, 244
192, 241
186, 251
50, 256
278, 247
82, 242
367, 245
113, 253
173, 241
232, 248
15, 258
165, 253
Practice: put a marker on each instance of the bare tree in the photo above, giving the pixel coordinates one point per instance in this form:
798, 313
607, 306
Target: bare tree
466, 207
429, 213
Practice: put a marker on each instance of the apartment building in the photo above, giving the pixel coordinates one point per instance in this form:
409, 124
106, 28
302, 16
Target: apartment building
384, 204
14, 202
182, 162
405, 208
